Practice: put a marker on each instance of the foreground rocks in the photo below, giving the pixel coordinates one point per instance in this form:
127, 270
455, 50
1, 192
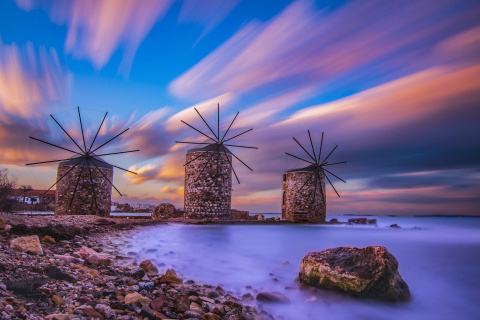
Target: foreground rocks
30, 244
89, 278
371, 272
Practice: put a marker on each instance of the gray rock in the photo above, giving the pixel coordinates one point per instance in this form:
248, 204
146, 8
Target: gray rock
274, 297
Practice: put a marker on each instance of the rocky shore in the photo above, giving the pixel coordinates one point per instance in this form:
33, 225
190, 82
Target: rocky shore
69, 268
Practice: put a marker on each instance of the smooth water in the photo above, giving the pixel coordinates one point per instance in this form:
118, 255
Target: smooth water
440, 262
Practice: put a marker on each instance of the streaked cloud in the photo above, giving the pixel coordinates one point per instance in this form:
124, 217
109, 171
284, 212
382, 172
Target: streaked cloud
97, 28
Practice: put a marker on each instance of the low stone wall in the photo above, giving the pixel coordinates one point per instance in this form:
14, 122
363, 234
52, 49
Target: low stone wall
166, 211
239, 215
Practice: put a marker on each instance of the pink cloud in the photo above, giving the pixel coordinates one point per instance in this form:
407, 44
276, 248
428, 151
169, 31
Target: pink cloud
97, 28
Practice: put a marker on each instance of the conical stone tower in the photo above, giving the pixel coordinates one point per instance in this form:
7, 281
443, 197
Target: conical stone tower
302, 197
84, 190
208, 182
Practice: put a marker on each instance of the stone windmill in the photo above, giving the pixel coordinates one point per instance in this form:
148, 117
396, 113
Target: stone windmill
84, 181
304, 195
208, 173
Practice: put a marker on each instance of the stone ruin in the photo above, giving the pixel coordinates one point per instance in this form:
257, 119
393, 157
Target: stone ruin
210, 195
305, 205
239, 215
85, 197
166, 211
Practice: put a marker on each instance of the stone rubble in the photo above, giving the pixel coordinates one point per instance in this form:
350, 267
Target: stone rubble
87, 277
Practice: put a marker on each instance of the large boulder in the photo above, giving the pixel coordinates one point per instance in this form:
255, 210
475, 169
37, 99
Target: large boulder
29, 244
164, 211
94, 257
3, 225
149, 267
371, 272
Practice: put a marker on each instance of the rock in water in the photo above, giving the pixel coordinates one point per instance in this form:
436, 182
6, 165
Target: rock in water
149, 267
371, 272
274, 297
29, 244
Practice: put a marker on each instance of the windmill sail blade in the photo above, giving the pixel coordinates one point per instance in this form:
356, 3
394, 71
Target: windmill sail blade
233, 145
291, 155
92, 184
54, 145
98, 130
74, 166
67, 133
321, 188
81, 128
206, 163
331, 164
76, 185
321, 146
332, 185
32, 163
189, 142
110, 139
311, 142
109, 154
225, 134
218, 121
335, 175
329, 154
206, 124
241, 161
231, 166
199, 131
238, 135
201, 155
106, 178
308, 180
114, 166
304, 149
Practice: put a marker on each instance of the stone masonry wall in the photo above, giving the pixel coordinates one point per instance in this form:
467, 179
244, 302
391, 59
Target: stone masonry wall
84, 200
306, 205
211, 194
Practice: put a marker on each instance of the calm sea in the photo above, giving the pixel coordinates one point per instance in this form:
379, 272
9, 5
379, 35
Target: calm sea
440, 262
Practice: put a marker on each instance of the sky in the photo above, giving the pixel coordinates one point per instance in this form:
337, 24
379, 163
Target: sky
395, 84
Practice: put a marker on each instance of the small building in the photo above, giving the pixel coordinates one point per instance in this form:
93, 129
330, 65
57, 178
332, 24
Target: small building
302, 196
84, 190
35, 196
208, 182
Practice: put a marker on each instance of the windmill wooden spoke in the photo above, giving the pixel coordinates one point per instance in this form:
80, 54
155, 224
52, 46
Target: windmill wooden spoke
320, 151
188, 142
305, 150
218, 121
201, 155
53, 145
335, 175
74, 166
81, 128
238, 135
98, 130
225, 134
308, 180
324, 160
241, 161
111, 139
321, 188
109, 154
206, 163
231, 166
67, 133
233, 145
332, 185
113, 165
291, 155
106, 178
92, 185
76, 185
311, 142
331, 164
199, 131
29, 164
206, 124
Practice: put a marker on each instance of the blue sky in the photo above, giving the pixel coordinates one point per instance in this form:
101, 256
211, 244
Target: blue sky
394, 83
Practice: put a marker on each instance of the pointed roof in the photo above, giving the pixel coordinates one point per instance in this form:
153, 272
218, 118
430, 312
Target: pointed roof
80, 161
209, 148
310, 168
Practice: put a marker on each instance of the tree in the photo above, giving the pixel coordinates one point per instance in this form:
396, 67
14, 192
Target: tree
25, 189
8, 184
